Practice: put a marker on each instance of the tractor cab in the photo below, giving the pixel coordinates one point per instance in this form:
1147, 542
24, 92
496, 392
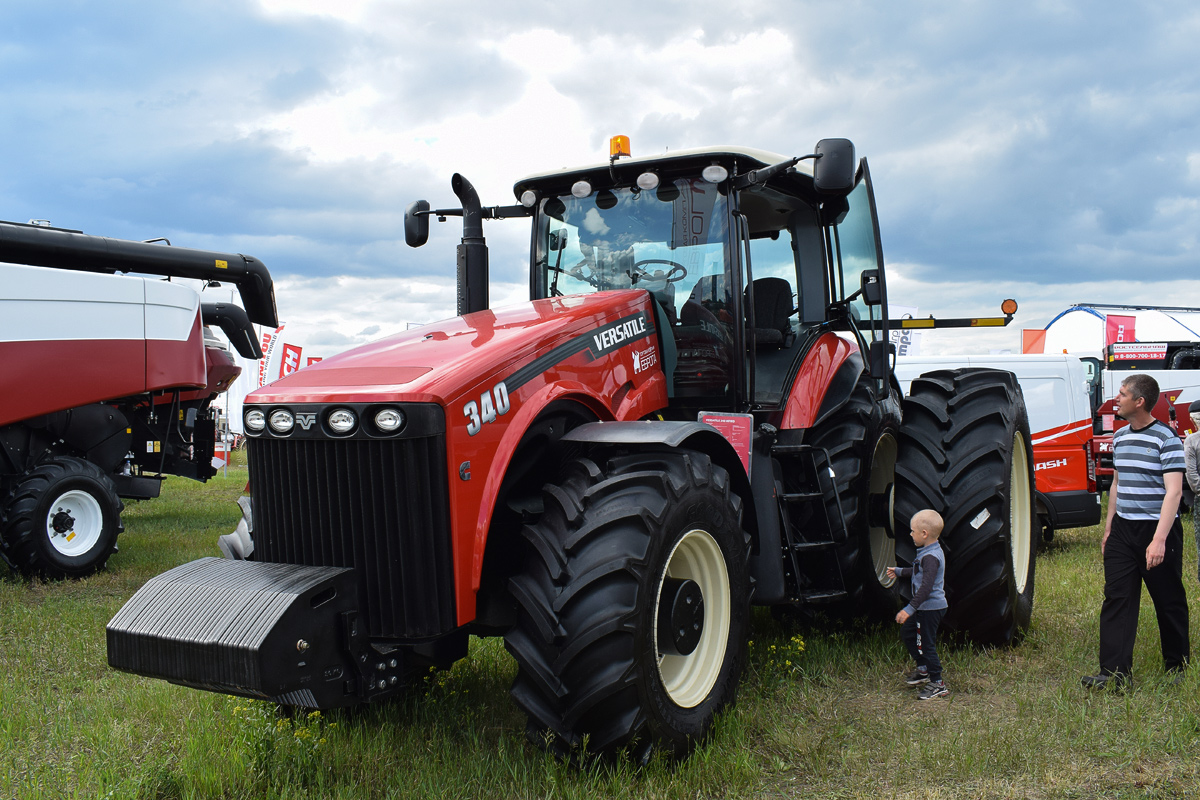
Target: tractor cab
741, 251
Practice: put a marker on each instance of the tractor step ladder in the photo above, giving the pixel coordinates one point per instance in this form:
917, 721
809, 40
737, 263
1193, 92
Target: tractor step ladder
813, 524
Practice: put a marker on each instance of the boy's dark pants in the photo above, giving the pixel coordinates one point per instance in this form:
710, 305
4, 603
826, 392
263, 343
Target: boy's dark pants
919, 633
1124, 572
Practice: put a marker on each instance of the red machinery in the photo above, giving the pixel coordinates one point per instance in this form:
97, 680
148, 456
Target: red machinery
541, 472
106, 383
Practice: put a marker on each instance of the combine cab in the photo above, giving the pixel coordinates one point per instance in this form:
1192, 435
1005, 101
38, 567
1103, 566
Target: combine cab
106, 384
694, 412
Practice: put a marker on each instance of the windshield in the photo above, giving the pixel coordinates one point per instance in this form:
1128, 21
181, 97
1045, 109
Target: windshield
665, 240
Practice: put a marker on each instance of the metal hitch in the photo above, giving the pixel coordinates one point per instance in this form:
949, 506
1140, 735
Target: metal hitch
280, 632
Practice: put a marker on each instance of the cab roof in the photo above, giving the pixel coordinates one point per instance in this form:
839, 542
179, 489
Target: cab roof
746, 157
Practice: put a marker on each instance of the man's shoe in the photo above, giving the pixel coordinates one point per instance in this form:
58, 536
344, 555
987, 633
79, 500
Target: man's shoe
933, 689
1176, 676
1106, 682
917, 678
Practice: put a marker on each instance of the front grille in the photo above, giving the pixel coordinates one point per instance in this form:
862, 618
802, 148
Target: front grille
380, 507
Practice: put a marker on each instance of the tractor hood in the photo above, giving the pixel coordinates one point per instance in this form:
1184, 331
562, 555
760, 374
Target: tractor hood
437, 362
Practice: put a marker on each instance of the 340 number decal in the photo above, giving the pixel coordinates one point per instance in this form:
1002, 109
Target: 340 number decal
491, 405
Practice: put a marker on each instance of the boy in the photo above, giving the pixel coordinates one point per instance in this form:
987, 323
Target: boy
921, 617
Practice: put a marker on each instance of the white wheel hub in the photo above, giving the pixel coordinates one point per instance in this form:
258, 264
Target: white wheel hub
689, 679
1019, 514
74, 523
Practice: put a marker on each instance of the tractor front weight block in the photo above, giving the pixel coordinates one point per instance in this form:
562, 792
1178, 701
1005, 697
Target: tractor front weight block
279, 632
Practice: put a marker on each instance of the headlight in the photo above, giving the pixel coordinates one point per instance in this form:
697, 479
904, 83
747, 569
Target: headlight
255, 420
389, 420
341, 420
581, 189
714, 173
282, 420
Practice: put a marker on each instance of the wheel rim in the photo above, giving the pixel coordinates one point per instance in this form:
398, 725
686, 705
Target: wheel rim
74, 523
883, 474
1019, 514
689, 679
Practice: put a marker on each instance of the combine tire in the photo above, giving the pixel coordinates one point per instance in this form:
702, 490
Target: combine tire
633, 606
965, 452
62, 520
861, 441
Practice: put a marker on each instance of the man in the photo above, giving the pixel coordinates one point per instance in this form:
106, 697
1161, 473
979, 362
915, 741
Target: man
1143, 540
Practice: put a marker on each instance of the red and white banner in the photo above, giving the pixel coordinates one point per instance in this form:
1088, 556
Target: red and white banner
1119, 328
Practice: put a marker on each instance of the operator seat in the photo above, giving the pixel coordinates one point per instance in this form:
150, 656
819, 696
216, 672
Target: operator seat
772, 312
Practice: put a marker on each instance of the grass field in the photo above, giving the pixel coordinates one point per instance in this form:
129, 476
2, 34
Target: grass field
820, 714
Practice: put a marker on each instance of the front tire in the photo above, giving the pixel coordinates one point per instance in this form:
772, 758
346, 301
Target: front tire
62, 520
965, 452
633, 606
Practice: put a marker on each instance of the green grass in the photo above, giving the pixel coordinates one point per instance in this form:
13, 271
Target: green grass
820, 714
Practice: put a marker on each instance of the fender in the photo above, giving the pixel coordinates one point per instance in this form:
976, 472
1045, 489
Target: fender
636, 402
826, 378
684, 435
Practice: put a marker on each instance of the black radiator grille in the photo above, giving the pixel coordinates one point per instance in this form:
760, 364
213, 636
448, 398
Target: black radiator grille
380, 507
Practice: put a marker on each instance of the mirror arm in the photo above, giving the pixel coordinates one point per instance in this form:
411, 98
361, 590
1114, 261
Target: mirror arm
761, 176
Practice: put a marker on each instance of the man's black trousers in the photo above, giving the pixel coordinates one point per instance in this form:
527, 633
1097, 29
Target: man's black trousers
1124, 572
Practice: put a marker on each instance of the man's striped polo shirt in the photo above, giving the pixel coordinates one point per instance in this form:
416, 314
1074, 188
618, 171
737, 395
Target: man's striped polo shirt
1141, 458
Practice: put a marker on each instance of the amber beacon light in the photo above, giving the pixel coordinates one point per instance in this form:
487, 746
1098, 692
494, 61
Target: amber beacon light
618, 146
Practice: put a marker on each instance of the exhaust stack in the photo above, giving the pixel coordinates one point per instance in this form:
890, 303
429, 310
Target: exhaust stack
473, 252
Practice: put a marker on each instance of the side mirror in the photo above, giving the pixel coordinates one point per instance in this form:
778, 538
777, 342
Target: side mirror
833, 171
872, 289
416, 223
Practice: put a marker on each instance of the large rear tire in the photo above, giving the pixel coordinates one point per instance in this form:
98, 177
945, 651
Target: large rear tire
633, 606
62, 520
860, 439
965, 452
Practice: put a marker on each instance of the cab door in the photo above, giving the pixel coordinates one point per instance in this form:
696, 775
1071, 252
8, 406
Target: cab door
855, 253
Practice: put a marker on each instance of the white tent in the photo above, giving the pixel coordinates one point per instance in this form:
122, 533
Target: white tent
1085, 329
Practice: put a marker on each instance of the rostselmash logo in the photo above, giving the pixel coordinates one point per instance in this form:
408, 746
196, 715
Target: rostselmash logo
1058, 462
1104, 447
618, 334
306, 421
644, 359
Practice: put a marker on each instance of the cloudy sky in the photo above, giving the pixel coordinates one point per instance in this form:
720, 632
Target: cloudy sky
1046, 151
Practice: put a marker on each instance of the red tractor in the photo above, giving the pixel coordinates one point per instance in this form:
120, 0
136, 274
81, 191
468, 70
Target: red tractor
694, 412
106, 383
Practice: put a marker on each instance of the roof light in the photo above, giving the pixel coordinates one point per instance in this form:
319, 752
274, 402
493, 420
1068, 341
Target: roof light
1009, 306
581, 189
647, 181
618, 146
714, 173
529, 198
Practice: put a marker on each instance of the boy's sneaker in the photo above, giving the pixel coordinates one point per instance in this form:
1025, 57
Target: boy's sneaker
933, 689
917, 678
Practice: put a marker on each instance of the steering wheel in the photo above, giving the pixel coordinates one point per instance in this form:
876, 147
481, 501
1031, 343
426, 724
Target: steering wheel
677, 272
576, 272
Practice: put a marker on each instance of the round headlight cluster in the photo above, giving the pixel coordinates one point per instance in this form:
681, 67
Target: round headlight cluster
341, 420
281, 420
389, 420
338, 421
255, 420
714, 173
